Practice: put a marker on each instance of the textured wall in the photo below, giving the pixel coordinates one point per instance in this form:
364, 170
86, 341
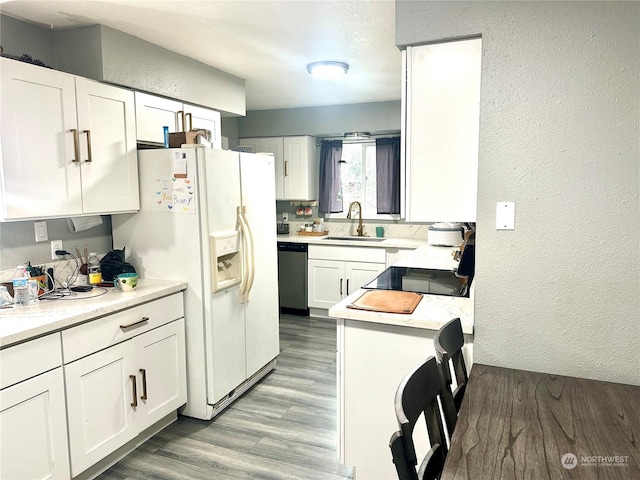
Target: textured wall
559, 135
18, 38
378, 117
129, 61
18, 244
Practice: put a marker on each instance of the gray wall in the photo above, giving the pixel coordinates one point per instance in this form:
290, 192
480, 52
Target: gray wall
18, 244
18, 38
379, 117
559, 135
129, 61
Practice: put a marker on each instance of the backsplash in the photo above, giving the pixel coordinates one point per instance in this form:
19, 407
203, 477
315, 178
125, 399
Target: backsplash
348, 227
63, 271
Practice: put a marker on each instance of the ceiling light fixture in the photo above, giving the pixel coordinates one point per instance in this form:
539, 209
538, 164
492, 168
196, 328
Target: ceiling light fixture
357, 135
328, 70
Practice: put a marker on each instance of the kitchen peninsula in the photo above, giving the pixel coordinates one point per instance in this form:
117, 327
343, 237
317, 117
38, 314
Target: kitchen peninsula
375, 351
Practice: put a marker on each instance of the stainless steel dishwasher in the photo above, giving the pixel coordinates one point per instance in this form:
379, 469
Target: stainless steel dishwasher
292, 278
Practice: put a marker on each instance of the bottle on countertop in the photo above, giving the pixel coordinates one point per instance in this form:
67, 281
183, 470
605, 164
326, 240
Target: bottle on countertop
93, 269
20, 287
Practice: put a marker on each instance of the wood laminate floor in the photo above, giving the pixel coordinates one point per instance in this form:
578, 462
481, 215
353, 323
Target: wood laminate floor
283, 428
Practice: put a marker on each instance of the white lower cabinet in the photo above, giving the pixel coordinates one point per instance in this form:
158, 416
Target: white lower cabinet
331, 277
33, 430
33, 419
116, 393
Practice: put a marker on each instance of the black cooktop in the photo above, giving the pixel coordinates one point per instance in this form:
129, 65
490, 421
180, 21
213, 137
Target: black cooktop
429, 281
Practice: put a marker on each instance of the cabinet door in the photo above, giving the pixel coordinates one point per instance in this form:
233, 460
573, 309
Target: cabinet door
299, 180
153, 113
254, 143
40, 169
275, 145
207, 119
33, 429
99, 397
161, 369
358, 274
106, 118
442, 131
327, 285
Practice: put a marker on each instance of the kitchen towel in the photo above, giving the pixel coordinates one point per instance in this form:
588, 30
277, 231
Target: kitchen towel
387, 301
78, 224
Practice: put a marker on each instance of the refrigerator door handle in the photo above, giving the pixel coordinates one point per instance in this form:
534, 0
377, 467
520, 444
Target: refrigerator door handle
245, 255
252, 265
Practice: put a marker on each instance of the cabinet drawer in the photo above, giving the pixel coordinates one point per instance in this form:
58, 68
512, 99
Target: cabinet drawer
29, 359
104, 332
351, 254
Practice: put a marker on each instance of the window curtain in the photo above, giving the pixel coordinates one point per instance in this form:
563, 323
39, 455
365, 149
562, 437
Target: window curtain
330, 200
388, 175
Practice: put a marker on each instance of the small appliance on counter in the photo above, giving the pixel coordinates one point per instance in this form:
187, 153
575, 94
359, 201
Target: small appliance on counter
282, 228
445, 234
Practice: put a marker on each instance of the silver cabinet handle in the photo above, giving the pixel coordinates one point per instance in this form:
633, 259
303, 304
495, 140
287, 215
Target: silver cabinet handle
286, 168
135, 391
144, 384
135, 324
181, 115
88, 132
341, 287
76, 145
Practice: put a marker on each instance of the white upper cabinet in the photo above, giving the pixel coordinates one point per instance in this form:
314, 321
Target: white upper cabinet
297, 173
204, 118
441, 104
68, 145
300, 167
153, 113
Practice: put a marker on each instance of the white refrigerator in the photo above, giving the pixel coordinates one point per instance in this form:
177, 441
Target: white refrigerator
207, 217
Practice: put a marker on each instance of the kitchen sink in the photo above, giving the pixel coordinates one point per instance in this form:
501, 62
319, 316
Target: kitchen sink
356, 238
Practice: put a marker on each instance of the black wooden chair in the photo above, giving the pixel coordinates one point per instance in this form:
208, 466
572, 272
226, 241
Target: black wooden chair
448, 343
418, 394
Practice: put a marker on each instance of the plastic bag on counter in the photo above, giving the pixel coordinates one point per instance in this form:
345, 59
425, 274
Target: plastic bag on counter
5, 296
113, 264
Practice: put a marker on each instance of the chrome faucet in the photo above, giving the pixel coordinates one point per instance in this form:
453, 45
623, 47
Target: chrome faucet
360, 226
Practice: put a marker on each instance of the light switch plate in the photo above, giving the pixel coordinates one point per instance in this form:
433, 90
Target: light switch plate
41, 231
505, 215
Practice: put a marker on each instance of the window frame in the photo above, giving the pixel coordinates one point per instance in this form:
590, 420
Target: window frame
366, 214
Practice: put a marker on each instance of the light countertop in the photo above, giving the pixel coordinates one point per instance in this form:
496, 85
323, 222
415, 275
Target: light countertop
48, 316
322, 240
432, 312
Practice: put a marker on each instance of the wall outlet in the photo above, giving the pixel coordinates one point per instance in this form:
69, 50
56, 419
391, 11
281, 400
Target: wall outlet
55, 245
285, 216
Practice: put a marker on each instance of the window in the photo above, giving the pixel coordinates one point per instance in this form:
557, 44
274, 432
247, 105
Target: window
358, 177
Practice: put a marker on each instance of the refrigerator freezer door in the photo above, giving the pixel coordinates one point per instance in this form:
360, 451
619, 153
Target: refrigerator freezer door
261, 311
224, 312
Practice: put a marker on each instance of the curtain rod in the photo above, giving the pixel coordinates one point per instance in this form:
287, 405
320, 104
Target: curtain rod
368, 140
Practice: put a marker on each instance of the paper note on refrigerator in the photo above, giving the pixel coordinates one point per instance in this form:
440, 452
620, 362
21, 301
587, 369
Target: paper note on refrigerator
174, 195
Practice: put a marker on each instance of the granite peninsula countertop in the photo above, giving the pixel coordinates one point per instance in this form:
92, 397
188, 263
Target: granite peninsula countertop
48, 316
432, 312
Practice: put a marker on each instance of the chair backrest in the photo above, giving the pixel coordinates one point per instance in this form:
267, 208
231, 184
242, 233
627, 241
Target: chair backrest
406, 471
448, 343
418, 394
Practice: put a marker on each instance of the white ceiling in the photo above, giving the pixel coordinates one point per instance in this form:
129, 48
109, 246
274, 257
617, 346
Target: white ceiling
267, 43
